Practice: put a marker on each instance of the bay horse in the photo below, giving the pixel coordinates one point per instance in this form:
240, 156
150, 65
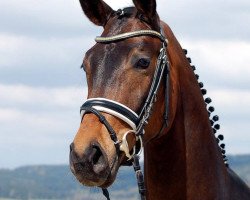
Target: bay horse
142, 91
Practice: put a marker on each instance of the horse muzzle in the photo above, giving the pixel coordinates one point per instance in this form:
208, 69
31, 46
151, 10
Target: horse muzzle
92, 168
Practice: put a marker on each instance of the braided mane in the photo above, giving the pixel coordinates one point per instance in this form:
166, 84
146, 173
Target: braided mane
210, 109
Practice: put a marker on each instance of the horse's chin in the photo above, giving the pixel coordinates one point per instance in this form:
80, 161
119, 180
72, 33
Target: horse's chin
105, 181
111, 177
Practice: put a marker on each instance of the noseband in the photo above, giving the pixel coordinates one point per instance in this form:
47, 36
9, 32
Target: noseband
137, 122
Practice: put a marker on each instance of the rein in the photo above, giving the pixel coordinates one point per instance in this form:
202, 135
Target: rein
136, 121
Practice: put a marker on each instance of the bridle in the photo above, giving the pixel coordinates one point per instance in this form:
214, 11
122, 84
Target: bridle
137, 122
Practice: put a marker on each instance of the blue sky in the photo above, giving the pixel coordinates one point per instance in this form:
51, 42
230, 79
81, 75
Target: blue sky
42, 44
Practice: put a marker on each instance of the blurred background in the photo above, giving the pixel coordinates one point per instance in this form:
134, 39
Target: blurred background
42, 44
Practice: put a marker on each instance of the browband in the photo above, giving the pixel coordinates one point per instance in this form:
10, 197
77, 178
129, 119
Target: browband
123, 36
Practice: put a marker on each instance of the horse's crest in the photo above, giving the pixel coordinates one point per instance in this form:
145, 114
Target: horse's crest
213, 118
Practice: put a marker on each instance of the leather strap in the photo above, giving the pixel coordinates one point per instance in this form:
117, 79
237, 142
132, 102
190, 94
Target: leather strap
114, 108
103, 120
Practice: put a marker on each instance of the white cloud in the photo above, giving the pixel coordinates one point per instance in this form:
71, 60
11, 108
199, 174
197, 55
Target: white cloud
233, 108
8, 47
221, 63
119, 4
42, 18
235, 102
37, 122
9, 115
27, 95
190, 18
22, 118
207, 19
229, 57
25, 52
41, 61
45, 111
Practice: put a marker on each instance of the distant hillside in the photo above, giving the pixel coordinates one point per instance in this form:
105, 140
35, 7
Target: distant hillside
57, 182
241, 165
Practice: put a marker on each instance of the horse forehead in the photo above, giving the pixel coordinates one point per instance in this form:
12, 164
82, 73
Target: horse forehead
107, 54
126, 24
117, 25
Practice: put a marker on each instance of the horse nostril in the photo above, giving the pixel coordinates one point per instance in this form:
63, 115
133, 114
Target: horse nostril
92, 160
98, 157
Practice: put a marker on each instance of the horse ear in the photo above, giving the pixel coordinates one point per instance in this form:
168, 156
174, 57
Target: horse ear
148, 9
97, 11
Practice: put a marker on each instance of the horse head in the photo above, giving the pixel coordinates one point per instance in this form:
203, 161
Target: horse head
120, 70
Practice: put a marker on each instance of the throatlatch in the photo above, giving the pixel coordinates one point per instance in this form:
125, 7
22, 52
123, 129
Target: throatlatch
137, 123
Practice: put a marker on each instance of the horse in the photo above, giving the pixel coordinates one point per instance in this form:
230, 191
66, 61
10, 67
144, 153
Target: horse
143, 93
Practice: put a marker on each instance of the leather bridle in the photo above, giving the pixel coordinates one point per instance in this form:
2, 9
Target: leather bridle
137, 122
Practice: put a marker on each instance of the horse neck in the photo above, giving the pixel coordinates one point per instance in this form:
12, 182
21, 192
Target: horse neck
186, 162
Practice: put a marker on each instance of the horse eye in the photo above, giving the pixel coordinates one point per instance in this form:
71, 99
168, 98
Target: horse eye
143, 63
